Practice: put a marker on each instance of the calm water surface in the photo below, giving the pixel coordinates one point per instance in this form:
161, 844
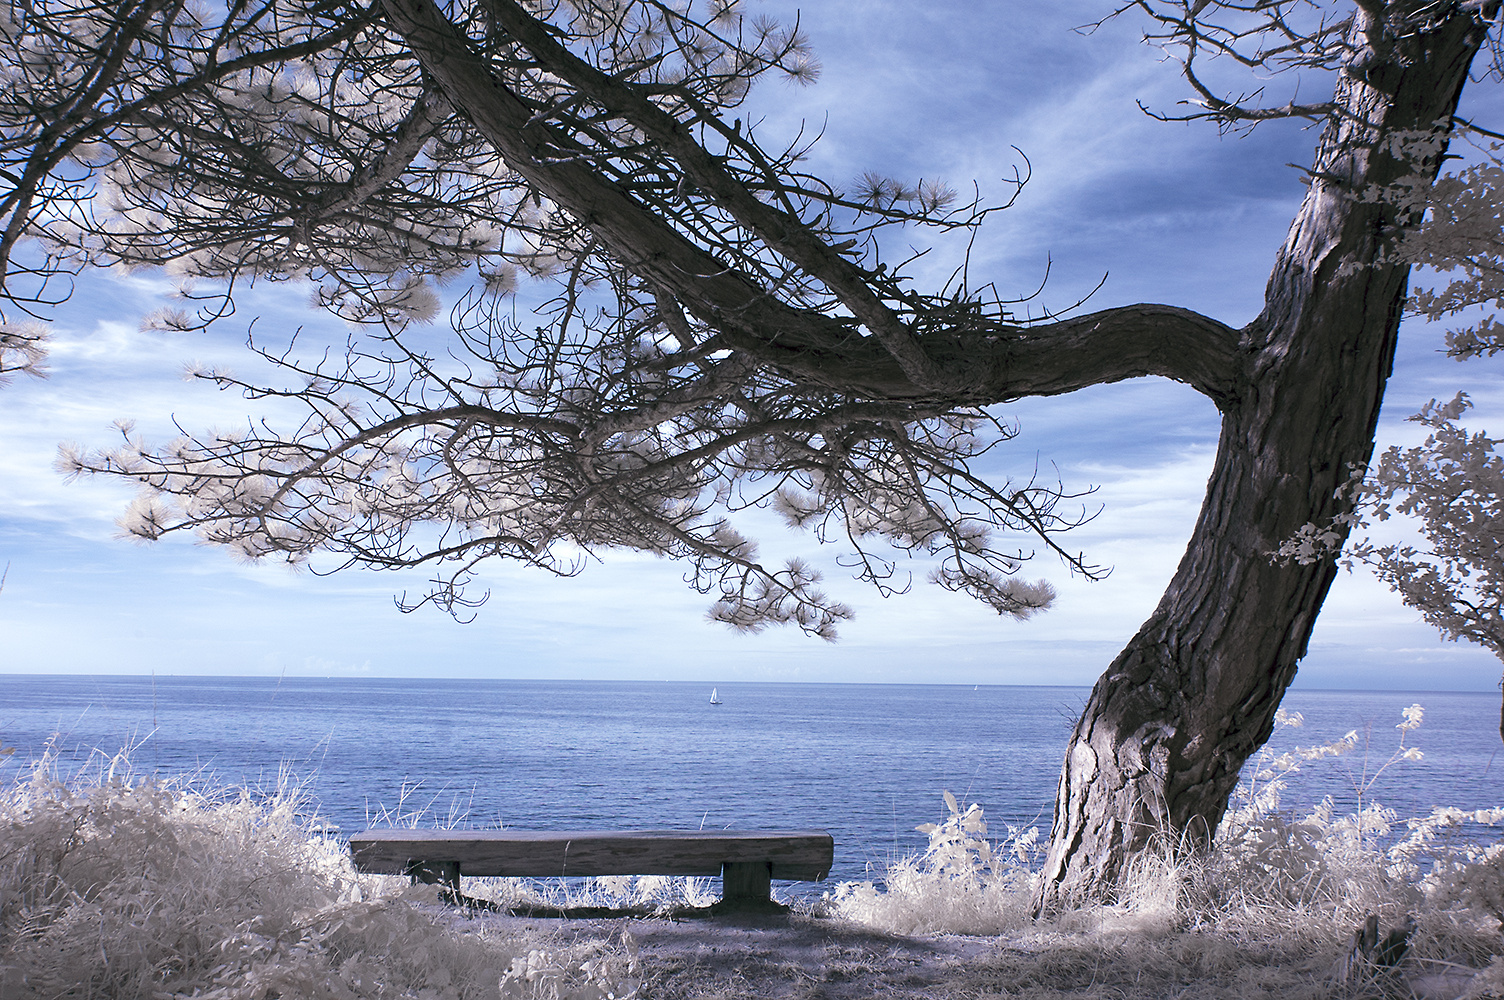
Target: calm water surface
867, 762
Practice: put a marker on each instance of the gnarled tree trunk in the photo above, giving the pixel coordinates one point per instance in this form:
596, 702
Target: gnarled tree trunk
1168, 726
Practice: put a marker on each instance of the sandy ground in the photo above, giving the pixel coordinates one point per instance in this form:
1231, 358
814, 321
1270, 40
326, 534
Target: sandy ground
818, 959
777, 956
1107, 956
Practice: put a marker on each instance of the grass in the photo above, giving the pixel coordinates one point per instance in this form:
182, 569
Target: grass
1274, 907
118, 887
112, 886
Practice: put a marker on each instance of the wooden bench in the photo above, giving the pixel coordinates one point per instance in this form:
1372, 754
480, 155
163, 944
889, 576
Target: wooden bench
746, 860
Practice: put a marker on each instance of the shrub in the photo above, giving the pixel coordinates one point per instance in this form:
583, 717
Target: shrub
961, 883
1279, 888
113, 886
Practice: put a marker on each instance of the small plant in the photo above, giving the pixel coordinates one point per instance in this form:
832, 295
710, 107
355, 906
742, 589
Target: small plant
958, 845
960, 883
589, 972
1256, 830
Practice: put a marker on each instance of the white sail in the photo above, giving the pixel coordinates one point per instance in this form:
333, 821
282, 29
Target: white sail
715, 698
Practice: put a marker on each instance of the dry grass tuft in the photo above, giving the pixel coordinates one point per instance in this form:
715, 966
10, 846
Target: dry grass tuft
116, 887
1272, 909
660, 895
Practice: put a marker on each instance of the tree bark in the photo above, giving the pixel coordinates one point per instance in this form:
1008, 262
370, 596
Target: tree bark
1169, 725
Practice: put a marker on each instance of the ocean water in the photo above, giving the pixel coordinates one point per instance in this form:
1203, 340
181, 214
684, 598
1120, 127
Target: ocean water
866, 762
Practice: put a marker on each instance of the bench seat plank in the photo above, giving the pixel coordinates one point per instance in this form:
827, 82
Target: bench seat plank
804, 855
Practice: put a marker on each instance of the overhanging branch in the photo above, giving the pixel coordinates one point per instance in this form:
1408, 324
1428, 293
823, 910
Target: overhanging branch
965, 367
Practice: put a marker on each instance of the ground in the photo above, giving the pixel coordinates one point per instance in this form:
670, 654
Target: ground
805, 958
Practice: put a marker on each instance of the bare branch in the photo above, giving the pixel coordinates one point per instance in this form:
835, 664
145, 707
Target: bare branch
722, 332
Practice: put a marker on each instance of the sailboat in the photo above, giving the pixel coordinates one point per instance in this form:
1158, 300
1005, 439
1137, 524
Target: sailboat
715, 698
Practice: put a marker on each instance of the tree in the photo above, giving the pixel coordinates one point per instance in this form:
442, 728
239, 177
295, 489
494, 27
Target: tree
725, 328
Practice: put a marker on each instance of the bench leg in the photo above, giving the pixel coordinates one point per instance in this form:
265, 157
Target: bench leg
747, 885
445, 873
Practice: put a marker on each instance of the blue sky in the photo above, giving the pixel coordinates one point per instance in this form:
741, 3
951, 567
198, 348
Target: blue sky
1167, 212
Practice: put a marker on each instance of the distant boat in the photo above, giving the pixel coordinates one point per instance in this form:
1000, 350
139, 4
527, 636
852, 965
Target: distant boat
715, 699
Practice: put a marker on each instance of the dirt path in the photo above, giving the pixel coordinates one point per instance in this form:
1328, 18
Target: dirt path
805, 958
778, 957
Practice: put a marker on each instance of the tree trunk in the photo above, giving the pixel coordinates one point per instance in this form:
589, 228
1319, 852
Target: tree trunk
1167, 729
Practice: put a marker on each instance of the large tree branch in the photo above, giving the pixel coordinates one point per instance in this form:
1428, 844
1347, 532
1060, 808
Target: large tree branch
780, 230
998, 362
79, 119
130, 23
423, 120
1121, 343
640, 241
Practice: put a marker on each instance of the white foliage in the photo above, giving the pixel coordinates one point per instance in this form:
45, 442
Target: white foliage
750, 601
961, 883
406, 298
167, 320
146, 519
23, 350
1022, 599
1453, 484
501, 280
1462, 236
1312, 543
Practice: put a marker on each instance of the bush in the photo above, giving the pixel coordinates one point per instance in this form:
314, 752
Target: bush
1279, 888
112, 886
962, 883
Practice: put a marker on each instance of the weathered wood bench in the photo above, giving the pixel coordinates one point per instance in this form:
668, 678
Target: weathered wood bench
746, 860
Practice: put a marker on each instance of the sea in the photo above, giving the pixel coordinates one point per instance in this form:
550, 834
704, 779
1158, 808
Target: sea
868, 762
